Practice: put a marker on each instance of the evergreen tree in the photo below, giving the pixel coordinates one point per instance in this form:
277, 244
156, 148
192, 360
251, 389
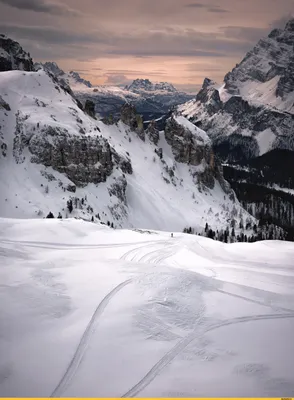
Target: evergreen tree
50, 215
69, 206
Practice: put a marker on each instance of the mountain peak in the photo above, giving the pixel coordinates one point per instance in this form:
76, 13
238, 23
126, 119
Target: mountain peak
54, 68
147, 85
290, 25
208, 82
12, 56
78, 79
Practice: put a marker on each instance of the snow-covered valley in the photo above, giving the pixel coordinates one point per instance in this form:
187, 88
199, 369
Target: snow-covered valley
91, 311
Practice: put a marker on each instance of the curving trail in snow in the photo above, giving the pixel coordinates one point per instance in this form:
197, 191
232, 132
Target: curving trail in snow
76, 360
183, 343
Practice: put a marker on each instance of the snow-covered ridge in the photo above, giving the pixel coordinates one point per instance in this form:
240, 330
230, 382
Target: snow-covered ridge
51, 151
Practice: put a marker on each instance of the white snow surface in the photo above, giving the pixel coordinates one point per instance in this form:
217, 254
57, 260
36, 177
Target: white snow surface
152, 202
88, 311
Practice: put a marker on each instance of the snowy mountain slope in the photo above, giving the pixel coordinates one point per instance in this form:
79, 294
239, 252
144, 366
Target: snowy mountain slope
53, 152
252, 112
250, 120
89, 311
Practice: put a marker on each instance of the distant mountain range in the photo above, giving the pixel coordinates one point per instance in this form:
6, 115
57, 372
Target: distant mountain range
152, 100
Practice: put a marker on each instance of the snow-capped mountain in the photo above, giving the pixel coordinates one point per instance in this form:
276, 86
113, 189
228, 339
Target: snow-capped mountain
152, 100
252, 112
145, 85
55, 157
250, 120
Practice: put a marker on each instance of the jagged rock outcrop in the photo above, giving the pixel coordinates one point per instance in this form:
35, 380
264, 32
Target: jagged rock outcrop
87, 159
187, 146
4, 104
77, 78
56, 74
82, 159
129, 116
152, 132
12, 56
210, 96
118, 189
191, 145
90, 108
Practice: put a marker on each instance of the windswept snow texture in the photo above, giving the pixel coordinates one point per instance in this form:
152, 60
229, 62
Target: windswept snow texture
89, 311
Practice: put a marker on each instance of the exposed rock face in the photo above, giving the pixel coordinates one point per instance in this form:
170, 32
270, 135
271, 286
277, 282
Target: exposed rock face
152, 132
70, 78
124, 163
130, 117
90, 108
271, 57
118, 189
210, 96
76, 77
12, 56
185, 145
83, 159
191, 146
4, 105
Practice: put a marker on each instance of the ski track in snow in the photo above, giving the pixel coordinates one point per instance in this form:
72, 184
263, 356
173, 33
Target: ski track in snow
65, 246
159, 255
164, 256
183, 343
80, 351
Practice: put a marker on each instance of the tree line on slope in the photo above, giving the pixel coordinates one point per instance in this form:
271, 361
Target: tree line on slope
249, 234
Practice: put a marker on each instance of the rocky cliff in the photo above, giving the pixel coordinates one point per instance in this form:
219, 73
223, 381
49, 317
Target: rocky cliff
12, 56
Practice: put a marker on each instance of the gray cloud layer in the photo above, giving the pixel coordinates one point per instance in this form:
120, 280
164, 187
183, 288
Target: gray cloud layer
210, 8
42, 6
209, 33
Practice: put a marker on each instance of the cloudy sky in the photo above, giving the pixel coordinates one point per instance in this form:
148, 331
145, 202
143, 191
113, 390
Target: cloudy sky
116, 41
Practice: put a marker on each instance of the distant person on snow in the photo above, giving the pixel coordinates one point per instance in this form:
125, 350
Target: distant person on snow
172, 235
